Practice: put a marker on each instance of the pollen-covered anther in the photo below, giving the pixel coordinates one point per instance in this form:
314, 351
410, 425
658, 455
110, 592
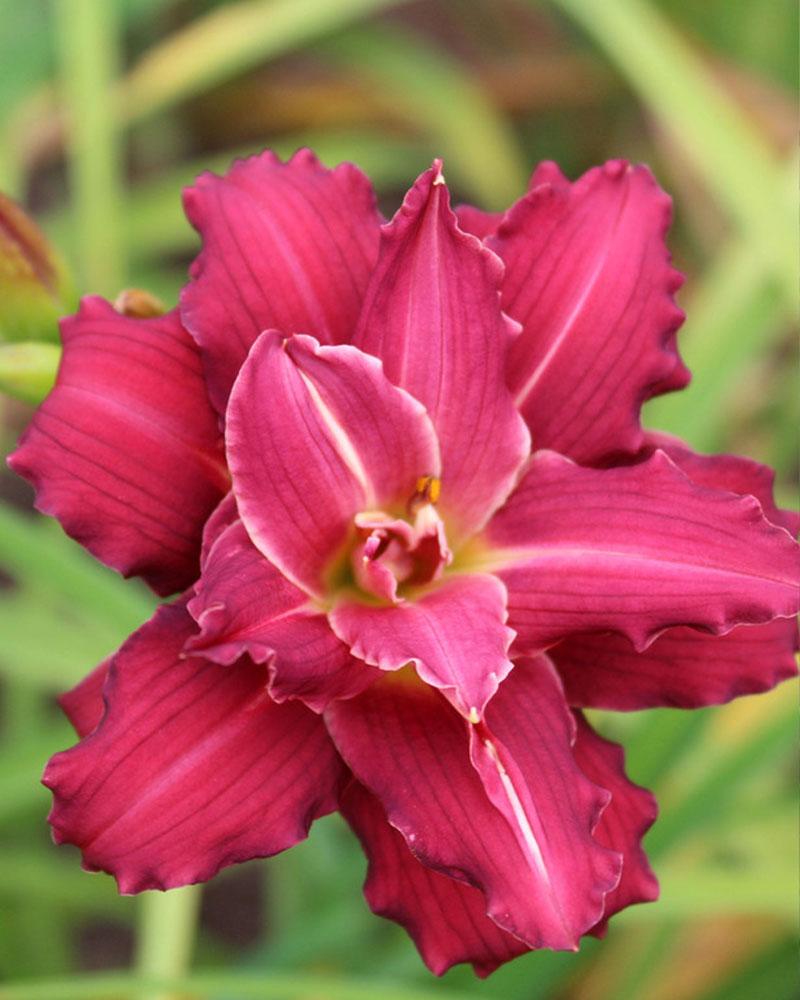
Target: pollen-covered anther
428, 490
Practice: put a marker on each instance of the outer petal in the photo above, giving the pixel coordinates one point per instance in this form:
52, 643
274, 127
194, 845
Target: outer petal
627, 818
314, 435
517, 824
83, 705
243, 604
288, 246
589, 278
125, 451
682, 668
432, 314
193, 767
726, 472
476, 221
636, 549
455, 635
445, 918
223, 515
485, 224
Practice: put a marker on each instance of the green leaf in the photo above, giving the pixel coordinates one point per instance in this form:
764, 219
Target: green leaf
432, 93
771, 973
236, 986
88, 33
154, 223
37, 554
229, 40
58, 882
703, 804
28, 370
728, 154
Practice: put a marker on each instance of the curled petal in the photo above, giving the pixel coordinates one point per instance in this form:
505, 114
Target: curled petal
683, 668
725, 472
193, 767
336, 438
286, 246
223, 515
244, 605
432, 314
501, 806
455, 635
126, 451
627, 818
83, 704
446, 918
635, 550
588, 276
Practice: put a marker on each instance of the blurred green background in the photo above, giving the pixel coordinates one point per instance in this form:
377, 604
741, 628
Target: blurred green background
108, 107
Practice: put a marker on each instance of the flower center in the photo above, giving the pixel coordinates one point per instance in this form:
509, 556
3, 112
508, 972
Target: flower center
392, 551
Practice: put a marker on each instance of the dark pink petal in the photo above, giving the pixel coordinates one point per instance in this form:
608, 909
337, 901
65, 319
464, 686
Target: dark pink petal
193, 767
501, 806
588, 276
682, 668
125, 451
315, 435
726, 472
223, 515
635, 550
286, 246
476, 221
547, 172
445, 918
455, 635
627, 818
485, 224
83, 705
244, 605
432, 314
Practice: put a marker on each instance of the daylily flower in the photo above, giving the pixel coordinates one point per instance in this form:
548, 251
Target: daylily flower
400, 476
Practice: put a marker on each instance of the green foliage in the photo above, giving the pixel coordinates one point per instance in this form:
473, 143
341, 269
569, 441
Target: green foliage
135, 77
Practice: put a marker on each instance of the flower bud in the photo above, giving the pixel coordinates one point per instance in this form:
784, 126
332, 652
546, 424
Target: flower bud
139, 304
35, 288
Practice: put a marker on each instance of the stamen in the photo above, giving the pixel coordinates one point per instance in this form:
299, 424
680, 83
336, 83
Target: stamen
428, 490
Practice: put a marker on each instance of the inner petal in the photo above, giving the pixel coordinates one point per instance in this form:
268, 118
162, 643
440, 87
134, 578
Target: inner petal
392, 551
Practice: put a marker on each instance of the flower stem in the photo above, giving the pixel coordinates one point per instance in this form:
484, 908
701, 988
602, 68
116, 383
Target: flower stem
88, 33
167, 924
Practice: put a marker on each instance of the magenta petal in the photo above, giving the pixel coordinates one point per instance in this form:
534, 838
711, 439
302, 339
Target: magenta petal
445, 918
476, 221
517, 825
315, 435
627, 818
635, 550
485, 224
588, 277
223, 515
455, 635
683, 668
193, 767
125, 451
286, 246
432, 314
726, 472
244, 605
83, 704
